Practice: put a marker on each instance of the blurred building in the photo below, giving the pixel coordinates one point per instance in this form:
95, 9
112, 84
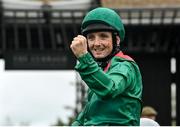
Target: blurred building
140, 3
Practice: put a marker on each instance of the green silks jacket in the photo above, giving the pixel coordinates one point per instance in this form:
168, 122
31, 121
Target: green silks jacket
114, 95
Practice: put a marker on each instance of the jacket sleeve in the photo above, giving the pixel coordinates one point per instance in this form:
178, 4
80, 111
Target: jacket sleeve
104, 84
79, 120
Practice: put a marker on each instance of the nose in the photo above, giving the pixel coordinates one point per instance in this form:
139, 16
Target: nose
97, 41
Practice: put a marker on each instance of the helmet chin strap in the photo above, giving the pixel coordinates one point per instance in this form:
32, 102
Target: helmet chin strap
103, 62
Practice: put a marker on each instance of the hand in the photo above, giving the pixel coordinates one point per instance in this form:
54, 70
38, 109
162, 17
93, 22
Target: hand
79, 46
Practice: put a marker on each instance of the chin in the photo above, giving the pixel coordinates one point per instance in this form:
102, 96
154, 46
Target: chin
99, 57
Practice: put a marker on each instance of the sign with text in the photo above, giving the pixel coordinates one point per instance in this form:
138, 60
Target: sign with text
39, 60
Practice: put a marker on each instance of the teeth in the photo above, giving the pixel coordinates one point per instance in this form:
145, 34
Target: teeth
98, 49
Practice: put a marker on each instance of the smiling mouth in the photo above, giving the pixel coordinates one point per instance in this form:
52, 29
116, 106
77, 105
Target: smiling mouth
98, 50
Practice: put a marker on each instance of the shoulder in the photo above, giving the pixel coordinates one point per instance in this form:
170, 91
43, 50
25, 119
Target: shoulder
126, 62
127, 68
120, 63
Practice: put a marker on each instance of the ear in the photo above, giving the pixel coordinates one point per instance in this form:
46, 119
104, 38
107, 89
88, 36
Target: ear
118, 40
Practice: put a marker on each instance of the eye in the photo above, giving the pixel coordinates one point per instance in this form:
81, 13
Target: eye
90, 37
104, 36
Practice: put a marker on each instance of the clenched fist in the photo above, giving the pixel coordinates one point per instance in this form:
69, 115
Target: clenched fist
79, 46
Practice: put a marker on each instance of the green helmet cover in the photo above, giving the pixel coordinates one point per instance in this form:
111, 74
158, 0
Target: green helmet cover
105, 16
